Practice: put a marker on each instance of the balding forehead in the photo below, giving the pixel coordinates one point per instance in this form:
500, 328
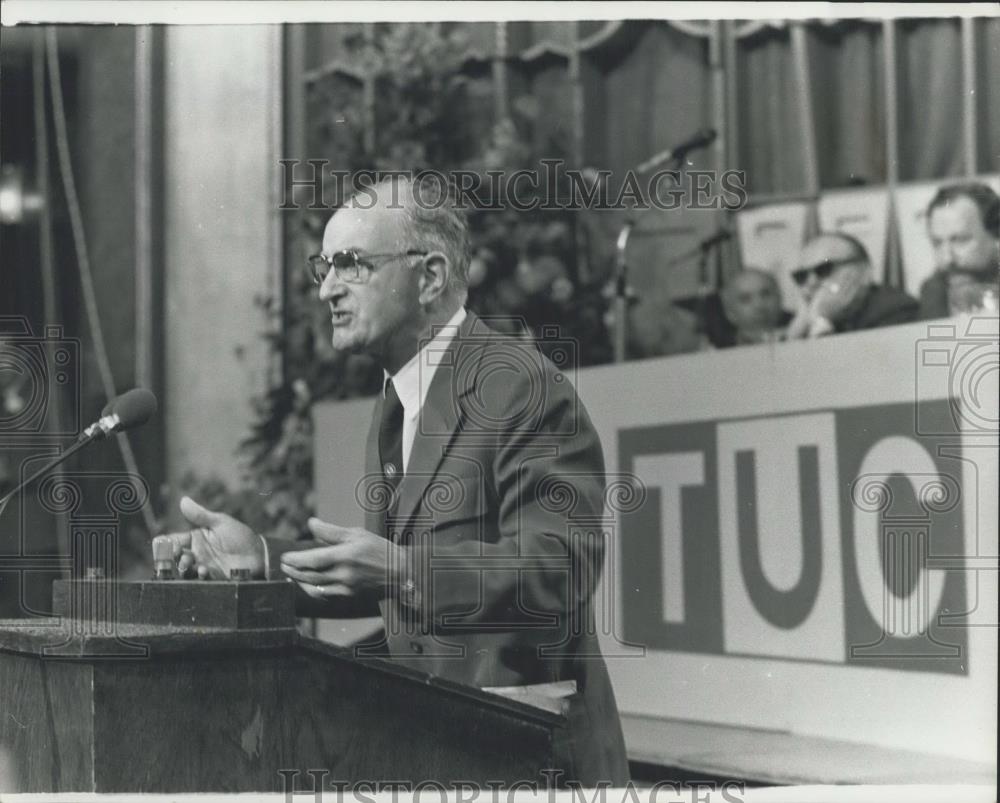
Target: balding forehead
365, 224
826, 247
751, 277
961, 207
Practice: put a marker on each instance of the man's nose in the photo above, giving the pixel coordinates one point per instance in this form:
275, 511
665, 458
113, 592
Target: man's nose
945, 255
332, 287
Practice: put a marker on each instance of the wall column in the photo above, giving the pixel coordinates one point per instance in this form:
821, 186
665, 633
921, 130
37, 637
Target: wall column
222, 234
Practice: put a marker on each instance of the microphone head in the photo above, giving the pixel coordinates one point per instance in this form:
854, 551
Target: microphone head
133, 408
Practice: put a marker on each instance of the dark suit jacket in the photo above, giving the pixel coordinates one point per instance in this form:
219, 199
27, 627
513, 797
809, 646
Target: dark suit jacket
881, 306
500, 513
934, 297
935, 294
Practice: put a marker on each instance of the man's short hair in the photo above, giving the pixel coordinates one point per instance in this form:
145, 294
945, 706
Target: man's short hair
435, 221
730, 284
858, 250
983, 196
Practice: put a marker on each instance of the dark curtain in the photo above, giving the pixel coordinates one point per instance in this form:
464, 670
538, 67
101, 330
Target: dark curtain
644, 93
770, 134
655, 94
930, 99
848, 99
988, 94
847, 85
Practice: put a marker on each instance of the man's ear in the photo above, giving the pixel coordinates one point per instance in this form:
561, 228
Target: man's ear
435, 273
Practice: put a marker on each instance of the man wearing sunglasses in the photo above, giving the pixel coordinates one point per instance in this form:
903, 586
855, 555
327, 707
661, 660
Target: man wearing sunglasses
837, 292
476, 444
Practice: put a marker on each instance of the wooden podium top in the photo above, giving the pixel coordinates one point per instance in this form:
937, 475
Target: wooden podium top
216, 677
160, 618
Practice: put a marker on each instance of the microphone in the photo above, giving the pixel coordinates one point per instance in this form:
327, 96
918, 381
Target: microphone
132, 409
701, 139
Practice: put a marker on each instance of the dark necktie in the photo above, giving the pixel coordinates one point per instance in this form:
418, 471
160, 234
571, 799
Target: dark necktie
390, 443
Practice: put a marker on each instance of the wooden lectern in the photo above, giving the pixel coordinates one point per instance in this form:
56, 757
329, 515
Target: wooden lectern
197, 686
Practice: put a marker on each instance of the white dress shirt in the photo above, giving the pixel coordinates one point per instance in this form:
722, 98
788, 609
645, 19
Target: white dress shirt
413, 379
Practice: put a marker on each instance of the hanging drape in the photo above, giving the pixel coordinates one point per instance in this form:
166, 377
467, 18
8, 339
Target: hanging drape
930, 99
987, 44
770, 132
848, 94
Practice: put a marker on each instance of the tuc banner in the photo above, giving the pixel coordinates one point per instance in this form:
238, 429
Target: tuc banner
817, 548
733, 552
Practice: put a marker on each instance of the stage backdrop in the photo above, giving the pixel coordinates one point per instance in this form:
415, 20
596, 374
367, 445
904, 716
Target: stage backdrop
813, 548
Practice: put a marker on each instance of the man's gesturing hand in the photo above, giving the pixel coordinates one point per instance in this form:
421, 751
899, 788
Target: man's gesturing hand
839, 294
355, 562
217, 544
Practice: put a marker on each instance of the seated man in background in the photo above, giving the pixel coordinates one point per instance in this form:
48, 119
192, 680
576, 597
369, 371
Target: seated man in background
752, 311
838, 294
963, 223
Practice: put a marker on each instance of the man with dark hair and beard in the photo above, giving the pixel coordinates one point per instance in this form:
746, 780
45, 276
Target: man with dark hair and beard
963, 223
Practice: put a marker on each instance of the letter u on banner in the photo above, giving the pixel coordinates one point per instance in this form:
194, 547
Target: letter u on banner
779, 529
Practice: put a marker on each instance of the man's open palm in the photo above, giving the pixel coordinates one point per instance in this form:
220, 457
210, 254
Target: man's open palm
217, 544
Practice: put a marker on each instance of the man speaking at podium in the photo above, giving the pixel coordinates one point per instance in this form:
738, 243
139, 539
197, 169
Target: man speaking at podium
479, 445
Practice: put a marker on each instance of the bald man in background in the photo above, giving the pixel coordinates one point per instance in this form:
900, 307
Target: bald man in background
751, 305
834, 278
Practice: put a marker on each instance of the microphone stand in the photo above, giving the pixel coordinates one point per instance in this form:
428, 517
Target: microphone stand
621, 292
706, 249
620, 307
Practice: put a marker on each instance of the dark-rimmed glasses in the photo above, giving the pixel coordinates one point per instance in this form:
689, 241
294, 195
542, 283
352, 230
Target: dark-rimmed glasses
823, 270
350, 266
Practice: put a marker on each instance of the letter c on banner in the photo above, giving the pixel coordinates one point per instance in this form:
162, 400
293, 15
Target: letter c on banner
911, 615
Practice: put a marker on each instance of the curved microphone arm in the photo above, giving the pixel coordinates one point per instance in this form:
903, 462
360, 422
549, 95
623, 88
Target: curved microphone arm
129, 410
84, 440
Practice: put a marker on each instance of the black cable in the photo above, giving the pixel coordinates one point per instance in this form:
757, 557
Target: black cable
83, 260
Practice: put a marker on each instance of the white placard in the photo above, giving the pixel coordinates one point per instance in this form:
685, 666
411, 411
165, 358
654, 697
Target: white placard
863, 214
770, 239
